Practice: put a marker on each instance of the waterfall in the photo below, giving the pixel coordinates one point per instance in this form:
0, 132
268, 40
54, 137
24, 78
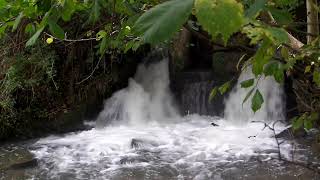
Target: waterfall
146, 99
271, 110
140, 135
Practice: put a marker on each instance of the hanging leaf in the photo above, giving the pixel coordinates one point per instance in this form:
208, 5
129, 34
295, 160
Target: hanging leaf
275, 69
95, 11
224, 88
213, 93
17, 21
247, 83
30, 29
56, 30
262, 57
220, 17
35, 37
308, 124
255, 9
257, 101
248, 96
285, 52
282, 17
316, 77
297, 122
277, 35
307, 69
161, 22
68, 10
103, 45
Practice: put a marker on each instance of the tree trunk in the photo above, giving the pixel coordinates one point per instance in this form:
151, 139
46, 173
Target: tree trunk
312, 20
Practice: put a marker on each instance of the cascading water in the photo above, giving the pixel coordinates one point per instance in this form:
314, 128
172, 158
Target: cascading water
147, 99
241, 113
139, 135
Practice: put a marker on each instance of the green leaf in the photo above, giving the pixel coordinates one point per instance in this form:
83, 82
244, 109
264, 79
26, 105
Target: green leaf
274, 68
314, 116
35, 37
56, 30
277, 35
257, 101
224, 88
95, 11
282, 17
316, 77
220, 17
247, 83
68, 10
308, 124
255, 8
161, 22
262, 57
285, 52
103, 45
213, 93
17, 21
30, 29
248, 96
297, 123
101, 34
307, 69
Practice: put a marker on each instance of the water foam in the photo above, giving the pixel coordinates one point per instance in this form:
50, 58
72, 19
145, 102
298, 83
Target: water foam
139, 133
147, 98
271, 110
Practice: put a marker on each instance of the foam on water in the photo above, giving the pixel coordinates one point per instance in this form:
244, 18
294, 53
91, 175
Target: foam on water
140, 128
271, 110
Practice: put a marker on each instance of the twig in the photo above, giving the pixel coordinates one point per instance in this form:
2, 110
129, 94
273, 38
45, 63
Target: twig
311, 166
71, 40
95, 68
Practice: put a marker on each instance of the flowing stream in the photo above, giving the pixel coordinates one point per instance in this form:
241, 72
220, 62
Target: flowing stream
140, 135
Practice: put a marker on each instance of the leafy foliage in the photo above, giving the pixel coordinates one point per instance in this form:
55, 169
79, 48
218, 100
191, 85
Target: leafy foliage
257, 101
213, 16
247, 83
306, 121
155, 26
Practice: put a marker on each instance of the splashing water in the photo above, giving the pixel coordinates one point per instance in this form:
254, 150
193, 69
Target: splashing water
147, 99
271, 110
139, 135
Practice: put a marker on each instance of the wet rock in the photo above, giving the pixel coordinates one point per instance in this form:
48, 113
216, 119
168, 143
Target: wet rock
139, 143
132, 160
136, 143
290, 133
214, 124
16, 159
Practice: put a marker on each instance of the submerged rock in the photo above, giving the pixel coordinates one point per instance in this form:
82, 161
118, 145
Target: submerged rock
289, 133
16, 159
132, 160
139, 143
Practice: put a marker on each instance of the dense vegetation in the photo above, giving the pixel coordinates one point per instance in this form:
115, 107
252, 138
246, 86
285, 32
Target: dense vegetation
40, 39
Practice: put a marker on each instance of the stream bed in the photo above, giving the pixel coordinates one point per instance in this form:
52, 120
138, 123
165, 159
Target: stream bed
140, 135
190, 149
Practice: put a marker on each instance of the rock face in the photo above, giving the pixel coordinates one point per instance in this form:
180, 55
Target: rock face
192, 90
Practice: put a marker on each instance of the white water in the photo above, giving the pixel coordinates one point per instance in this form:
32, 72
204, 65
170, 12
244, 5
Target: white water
167, 146
271, 110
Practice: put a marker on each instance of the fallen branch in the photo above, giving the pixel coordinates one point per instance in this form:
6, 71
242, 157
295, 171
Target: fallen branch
309, 165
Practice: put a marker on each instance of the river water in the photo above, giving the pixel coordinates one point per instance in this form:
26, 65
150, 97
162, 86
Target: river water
140, 135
